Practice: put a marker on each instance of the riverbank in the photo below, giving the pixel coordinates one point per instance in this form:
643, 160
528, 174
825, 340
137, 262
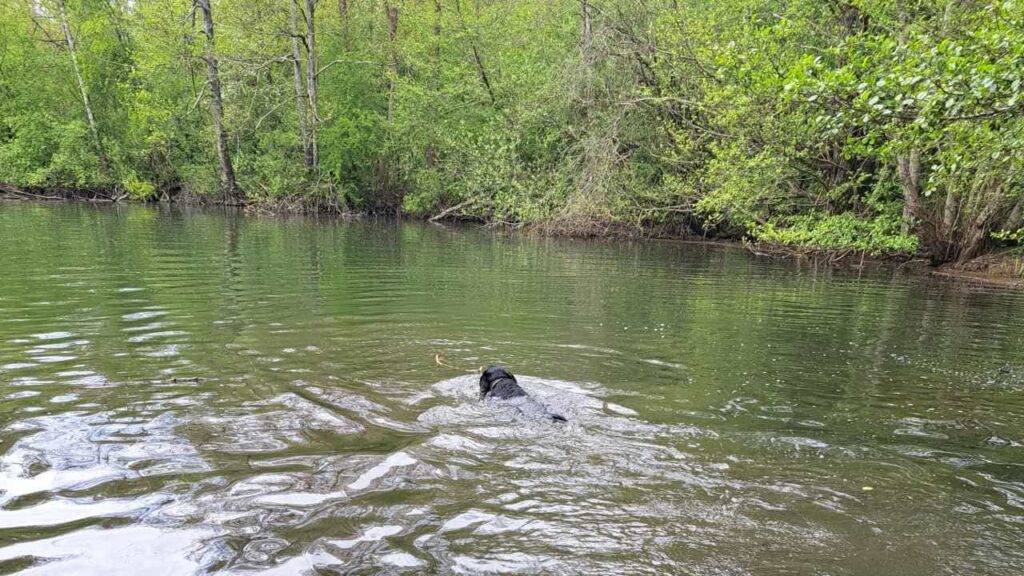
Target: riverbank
1000, 268
1005, 268
12, 192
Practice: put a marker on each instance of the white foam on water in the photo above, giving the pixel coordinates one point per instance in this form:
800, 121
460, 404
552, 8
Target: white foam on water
126, 551
14, 485
57, 512
401, 560
465, 520
396, 460
374, 534
298, 499
515, 563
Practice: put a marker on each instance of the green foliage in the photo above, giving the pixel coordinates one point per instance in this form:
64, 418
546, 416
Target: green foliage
876, 236
139, 189
800, 122
1015, 236
874, 125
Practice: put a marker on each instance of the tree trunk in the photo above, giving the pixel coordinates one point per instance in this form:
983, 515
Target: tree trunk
429, 154
477, 59
437, 44
300, 91
227, 172
392, 15
986, 199
587, 56
909, 166
90, 118
483, 76
311, 83
586, 28
975, 239
949, 214
1014, 220
343, 21
851, 18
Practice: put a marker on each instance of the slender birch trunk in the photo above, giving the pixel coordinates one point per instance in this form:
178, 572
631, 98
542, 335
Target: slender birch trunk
311, 84
300, 90
229, 187
909, 167
343, 9
392, 15
65, 27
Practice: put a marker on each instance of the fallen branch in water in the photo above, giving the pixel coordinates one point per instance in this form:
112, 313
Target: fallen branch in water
448, 211
15, 191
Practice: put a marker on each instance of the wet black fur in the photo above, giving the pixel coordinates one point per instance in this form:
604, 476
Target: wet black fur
496, 382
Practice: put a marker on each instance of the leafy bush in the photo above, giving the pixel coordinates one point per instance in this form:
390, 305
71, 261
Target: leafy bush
875, 236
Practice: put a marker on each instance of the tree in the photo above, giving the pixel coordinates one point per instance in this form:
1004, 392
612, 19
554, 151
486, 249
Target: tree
229, 188
311, 83
301, 96
69, 39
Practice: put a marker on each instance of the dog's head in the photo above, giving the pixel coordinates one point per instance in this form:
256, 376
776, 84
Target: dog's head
491, 375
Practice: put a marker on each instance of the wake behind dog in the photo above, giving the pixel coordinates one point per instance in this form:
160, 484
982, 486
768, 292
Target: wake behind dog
499, 384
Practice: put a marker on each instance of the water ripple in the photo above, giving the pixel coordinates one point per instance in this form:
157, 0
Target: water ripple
189, 392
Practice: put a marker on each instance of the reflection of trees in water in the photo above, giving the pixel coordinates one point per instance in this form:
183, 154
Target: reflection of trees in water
232, 318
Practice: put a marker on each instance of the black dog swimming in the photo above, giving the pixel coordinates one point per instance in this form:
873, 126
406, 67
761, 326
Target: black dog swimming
496, 382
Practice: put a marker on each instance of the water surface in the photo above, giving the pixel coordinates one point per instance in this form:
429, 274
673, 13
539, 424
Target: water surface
203, 393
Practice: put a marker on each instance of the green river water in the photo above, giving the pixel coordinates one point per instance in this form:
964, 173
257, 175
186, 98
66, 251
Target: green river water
728, 415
